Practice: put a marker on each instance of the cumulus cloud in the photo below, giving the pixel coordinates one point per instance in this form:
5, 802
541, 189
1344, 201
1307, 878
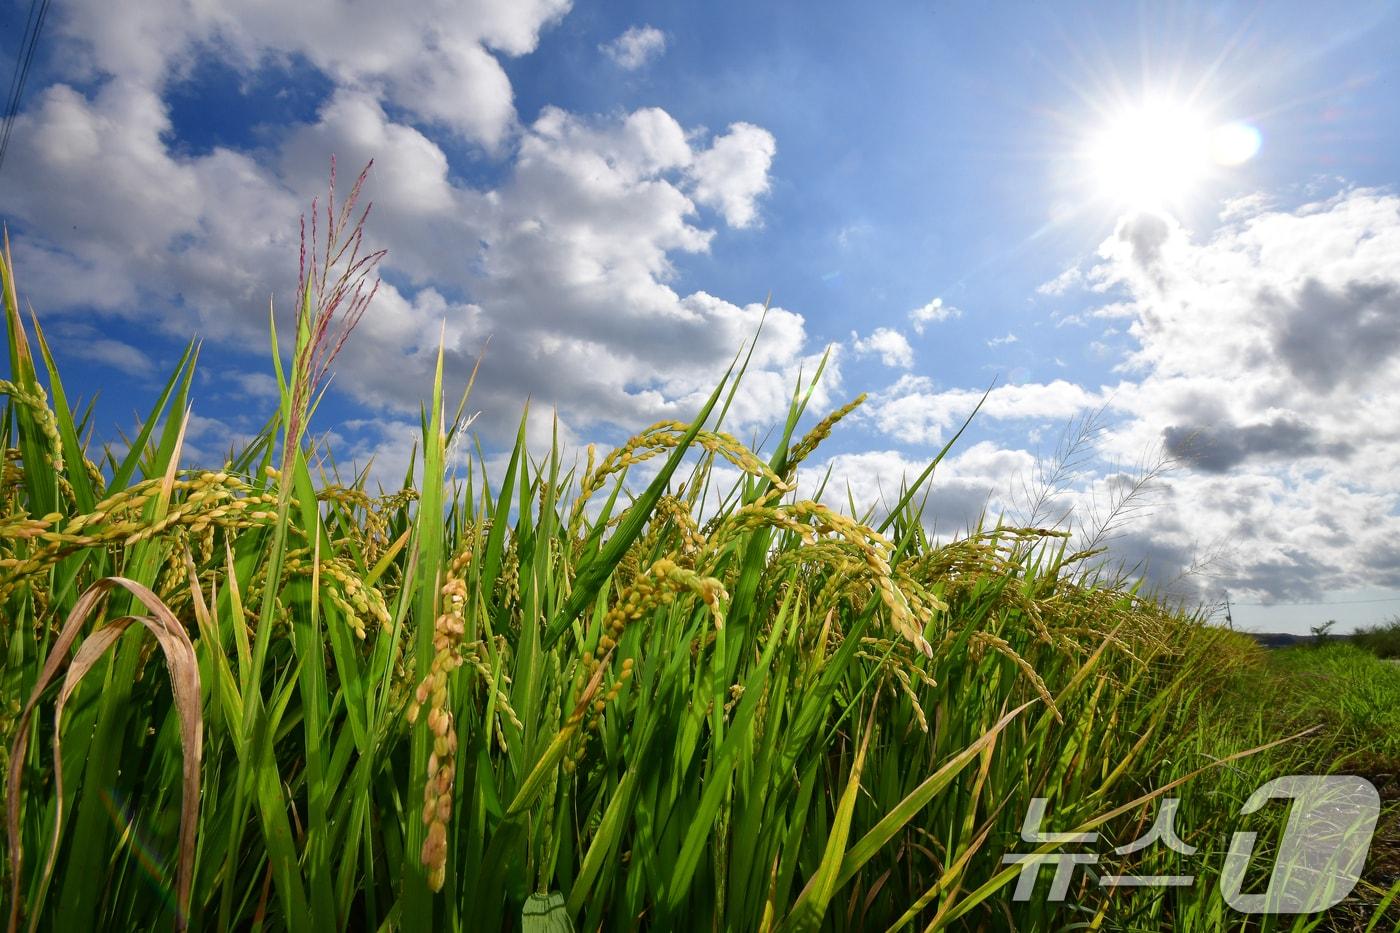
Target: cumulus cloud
732, 174
440, 65
111, 218
976, 482
563, 265
1217, 447
1144, 235
635, 48
574, 277
914, 412
1265, 360
1002, 341
890, 345
1336, 337
932, 312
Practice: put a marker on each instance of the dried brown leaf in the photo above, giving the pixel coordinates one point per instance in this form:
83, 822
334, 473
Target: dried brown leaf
184, 680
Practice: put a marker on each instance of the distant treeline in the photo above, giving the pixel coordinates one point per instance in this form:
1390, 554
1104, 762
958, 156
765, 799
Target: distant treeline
1382, 639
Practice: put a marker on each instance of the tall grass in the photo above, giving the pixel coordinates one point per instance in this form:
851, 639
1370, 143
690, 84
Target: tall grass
1382, 639
551, 695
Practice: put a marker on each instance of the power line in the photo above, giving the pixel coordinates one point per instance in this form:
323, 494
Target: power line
33, 26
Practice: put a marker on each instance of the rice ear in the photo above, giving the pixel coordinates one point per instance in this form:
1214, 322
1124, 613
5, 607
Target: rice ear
184, 680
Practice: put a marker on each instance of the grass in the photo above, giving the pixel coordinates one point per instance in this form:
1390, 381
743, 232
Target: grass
1382, 640
1350, 689
552, 695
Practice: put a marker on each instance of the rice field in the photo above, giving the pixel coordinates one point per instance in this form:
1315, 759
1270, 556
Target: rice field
264, 695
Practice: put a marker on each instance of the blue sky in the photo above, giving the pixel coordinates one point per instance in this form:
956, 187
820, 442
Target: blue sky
608, 191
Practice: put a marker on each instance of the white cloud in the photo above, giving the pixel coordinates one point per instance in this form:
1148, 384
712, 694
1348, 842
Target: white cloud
122, 357
77, 340
574, 277
1002, 341
111, 218
732, 174
932, 312
979, 480
636, 47
1266, 359
211, 440
1070, 278
890, 345
1245, 206
436, 64
913, 412
254, 385
565, 265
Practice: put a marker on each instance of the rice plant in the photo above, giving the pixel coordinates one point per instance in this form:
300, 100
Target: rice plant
557, 697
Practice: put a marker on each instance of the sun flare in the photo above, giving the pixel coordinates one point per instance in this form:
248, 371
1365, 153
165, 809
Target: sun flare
1159, 153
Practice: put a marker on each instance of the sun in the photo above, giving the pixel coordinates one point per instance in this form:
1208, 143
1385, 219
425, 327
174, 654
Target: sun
1157, 154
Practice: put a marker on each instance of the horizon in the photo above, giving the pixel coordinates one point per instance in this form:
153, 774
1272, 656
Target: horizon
1183, 218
